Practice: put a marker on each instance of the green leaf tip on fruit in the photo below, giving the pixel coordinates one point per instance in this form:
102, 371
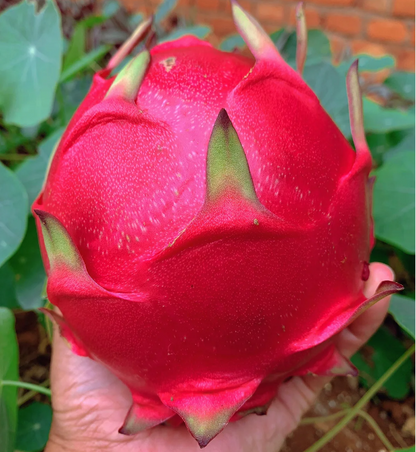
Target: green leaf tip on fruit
257, 40
355, 103
227, 166
129, 80
142, 416
59, 246
206, 413
302, 38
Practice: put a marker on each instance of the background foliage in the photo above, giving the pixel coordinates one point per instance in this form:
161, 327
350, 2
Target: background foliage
45, 75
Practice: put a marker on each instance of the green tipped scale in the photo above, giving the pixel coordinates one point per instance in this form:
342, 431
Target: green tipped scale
130, 78
206, 413
58, 244
227, 167
144, 414
258, 41
355, 104
302, 38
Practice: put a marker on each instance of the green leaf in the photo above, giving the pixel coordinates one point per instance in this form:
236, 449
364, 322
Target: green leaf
381, 253
31, 172
28, 268
386, 349
232, 42
13, 208
403, 310
200, 31
92, 21
7, 287
380, 145
402, 83
34, 423
110, 8
406, 143
84, 63
319, 48
76, 49
381, 120
164, 10
9, 370
70, 94
279, 38
135, 19
394, 201
330, 88
408, 449
30, 49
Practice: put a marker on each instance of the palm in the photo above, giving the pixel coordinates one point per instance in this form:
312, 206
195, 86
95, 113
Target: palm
90, 404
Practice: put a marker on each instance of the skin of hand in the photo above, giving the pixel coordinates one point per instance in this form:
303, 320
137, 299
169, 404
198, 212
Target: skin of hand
90, 404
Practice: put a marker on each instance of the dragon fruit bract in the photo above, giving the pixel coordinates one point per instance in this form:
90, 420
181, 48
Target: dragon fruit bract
206, 229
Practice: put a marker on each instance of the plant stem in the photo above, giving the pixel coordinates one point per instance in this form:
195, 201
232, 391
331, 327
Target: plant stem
331, 417
30, 394
23, 384
383, 438
366, 398
363, 414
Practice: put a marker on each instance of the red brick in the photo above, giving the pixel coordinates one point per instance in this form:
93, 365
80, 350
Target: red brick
404, 8
387, 30
245, 4
405, 57
182, 3
362, 46
133, 6
208, 5
412, 35
271, 13
313, 18
348, 24
377, 6
333, 2
221, 26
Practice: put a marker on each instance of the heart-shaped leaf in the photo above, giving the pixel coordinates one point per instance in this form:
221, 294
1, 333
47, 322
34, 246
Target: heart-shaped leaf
32, 171
30, 63
28, 268
33, 427
403, 310
13, 217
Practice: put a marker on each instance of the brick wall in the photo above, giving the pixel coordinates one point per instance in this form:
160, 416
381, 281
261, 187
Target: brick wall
366, 26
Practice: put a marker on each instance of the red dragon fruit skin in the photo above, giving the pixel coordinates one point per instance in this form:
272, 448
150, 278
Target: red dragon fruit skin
206, 229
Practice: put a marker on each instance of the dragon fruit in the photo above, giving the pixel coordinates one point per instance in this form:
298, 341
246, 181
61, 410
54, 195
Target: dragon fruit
206, 228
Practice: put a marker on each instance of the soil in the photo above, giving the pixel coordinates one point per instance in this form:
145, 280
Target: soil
395, 418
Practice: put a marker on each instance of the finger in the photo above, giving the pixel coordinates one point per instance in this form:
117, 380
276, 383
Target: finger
299, 392
360, 331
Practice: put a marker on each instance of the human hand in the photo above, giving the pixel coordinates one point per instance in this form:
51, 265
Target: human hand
90, 404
